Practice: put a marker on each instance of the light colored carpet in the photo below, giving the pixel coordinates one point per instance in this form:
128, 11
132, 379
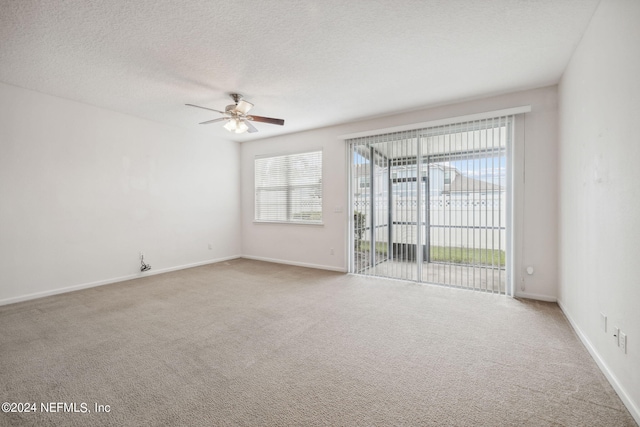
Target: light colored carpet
252, 343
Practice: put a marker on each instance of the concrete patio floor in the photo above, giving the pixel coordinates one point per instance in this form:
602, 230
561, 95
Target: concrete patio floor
481, 278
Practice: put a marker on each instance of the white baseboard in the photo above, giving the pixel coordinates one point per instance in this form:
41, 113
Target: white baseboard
66, 289
185, 266
624, 396
538, 297
297, 264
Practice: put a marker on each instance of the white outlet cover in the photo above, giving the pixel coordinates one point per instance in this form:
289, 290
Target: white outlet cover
622, 342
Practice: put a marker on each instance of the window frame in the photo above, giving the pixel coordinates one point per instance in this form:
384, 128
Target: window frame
289, 187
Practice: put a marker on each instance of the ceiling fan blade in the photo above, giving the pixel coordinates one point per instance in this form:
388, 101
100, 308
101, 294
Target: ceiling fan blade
243, 106
205, 108
251, 127
279, 122
213, 121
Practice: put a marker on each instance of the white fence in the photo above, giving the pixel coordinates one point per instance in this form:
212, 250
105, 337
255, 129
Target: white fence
475, 221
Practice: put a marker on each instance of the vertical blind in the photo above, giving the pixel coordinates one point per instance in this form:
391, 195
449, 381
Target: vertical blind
430, 204
288, 188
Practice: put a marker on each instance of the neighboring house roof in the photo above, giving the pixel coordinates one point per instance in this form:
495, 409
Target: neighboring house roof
443, 167
464, 184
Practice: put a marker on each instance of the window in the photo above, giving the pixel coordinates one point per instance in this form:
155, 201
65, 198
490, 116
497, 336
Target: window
289, 188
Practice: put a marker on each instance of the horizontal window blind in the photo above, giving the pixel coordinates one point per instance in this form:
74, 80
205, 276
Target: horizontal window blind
288, 188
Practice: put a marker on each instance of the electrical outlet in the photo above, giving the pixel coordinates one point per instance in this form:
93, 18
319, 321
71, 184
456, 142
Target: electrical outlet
603, 322
622, 342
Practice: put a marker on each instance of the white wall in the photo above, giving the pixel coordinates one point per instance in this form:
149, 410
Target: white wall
307, 245
83, 190
536, 203
599, 98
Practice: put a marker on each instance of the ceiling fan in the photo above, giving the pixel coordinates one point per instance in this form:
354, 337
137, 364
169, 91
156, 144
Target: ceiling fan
236, 116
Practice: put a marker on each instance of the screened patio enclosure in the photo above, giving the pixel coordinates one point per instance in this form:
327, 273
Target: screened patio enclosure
431, 205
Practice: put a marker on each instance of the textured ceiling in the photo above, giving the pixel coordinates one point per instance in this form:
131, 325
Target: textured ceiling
313, 63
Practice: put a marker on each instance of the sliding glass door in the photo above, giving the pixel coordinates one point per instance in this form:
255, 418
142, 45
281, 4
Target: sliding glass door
430, 205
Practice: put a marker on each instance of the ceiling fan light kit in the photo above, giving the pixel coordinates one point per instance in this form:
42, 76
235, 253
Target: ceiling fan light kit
235, 125
236, 117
